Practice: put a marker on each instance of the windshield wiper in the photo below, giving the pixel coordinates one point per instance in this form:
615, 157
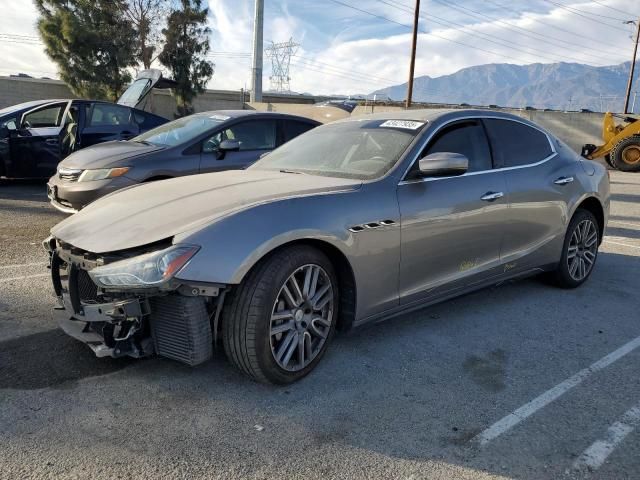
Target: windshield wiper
283, 170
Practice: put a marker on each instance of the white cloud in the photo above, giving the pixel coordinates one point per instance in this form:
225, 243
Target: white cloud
22, 54
345, 51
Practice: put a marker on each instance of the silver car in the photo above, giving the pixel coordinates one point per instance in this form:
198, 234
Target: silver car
353, 222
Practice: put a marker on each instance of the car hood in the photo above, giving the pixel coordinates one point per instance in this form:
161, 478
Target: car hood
151, 212
108, 154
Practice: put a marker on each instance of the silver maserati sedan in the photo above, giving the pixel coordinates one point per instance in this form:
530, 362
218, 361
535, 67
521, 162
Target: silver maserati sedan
353, 222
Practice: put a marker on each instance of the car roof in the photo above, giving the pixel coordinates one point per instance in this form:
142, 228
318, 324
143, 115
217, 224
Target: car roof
232, 114
432, 114
31, 104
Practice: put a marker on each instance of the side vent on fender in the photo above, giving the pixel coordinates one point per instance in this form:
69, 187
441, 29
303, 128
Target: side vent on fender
372, 225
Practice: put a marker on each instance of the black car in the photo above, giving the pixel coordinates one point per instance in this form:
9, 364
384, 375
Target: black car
199, 143
35, 136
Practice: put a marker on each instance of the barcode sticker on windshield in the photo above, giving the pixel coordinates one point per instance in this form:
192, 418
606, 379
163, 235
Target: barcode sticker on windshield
411, 125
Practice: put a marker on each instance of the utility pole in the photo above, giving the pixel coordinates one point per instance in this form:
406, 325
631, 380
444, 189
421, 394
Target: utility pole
414, 43
256, 71
633, 65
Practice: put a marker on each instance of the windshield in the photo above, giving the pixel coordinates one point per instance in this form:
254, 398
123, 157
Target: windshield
358, 149
180, 131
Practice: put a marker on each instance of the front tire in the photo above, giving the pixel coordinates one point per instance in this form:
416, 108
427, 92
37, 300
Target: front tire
579, 251
625, 155
278, 323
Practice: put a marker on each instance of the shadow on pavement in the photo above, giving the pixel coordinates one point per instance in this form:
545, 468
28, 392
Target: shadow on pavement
49, 359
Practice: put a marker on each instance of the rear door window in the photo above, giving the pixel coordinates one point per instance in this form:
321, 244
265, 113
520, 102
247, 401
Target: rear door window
515, 144
467, 138
108, 115
253, 134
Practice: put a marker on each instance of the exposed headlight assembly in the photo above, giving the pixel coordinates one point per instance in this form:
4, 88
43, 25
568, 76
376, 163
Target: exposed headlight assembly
144, 271
102, 174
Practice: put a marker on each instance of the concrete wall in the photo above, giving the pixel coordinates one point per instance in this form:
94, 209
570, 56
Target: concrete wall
15, 90
575, 129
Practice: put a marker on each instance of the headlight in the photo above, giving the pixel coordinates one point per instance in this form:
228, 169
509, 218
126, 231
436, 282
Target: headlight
102, 174
148, 270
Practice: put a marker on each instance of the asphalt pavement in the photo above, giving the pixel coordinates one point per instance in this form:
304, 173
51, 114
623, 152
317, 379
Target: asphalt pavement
519, 381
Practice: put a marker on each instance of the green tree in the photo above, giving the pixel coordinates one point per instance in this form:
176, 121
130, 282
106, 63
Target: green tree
184, 52
92, 43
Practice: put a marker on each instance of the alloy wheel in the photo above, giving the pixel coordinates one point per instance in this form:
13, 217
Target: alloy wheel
301, 317
582, 250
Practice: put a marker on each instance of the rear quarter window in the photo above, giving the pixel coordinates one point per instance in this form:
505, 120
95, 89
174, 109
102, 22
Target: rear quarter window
145, 120
293, 128
515, 144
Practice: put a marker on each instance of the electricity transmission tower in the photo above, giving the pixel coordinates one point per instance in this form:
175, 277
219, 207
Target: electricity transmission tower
280, 55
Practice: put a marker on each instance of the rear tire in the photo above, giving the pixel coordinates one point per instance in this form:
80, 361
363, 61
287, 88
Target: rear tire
275, 338
579, 251
625, 155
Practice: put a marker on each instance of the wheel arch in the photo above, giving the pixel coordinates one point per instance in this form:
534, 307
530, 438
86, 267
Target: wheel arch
593, 205
344, 272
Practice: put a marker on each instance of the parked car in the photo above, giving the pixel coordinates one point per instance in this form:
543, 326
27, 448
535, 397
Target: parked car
350, 223
35, 136
204, 142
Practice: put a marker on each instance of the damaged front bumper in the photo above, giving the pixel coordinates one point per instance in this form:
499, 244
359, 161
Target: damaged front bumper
175, 323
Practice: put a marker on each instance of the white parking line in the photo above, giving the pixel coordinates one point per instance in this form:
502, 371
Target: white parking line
620, 243
522, 413
23, 265
594, 456
25, 277
625, 223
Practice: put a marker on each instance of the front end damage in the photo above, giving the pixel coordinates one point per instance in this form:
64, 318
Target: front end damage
170, 317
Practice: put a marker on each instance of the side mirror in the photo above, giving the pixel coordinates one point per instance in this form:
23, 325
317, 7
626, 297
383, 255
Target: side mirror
229, 145
443, 164
4, 132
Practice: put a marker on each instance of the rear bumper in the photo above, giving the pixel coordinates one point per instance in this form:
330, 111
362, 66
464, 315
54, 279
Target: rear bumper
70, 197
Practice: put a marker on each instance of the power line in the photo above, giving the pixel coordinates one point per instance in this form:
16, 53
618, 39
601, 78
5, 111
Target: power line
431, 34
584, 14
354, 72
574, 34
296, 62
510, 44
614, 9
529, 33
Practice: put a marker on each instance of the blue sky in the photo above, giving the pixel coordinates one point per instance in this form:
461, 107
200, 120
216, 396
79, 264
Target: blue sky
352, 50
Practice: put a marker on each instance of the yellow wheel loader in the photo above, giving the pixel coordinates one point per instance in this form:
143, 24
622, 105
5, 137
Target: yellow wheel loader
621, 148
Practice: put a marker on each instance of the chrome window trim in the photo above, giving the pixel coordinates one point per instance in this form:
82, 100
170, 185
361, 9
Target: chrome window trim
554, 152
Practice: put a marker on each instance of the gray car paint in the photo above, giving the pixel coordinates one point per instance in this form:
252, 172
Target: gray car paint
439, 245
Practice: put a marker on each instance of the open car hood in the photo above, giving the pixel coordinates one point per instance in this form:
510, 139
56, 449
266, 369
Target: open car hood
151, 212
147, 80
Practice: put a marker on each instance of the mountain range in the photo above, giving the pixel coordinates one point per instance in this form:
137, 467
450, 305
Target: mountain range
559, 86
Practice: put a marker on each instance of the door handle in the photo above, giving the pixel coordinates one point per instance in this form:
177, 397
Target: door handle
563, 180
491, 196
51, 141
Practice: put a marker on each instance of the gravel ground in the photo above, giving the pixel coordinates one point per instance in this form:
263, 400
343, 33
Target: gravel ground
403, 399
